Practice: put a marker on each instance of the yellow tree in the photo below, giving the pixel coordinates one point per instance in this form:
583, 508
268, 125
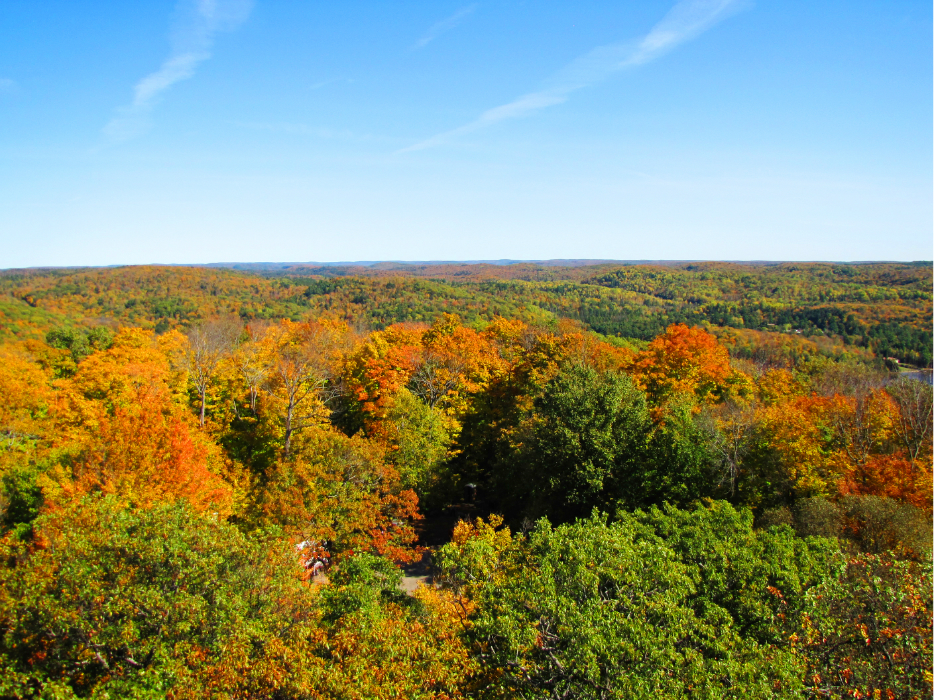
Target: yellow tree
251, 363
27, 395
135, 366
207, 344
302, 370
796, 434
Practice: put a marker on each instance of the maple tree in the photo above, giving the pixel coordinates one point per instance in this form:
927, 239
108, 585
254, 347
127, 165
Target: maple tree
331, 410
208, 343
341, 490
301, 368
683, 361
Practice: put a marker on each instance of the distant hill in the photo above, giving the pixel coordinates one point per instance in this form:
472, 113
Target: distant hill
878, 308
558, 262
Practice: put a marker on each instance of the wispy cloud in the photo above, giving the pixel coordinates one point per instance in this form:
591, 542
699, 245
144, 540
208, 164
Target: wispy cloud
330, 81
196, 24
294, 129
7, 85
684, 21
445, 25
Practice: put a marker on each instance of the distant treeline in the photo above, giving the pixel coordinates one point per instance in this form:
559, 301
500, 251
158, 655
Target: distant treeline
882, 308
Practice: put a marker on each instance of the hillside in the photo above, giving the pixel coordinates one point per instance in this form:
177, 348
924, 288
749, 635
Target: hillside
882, 308
740, 502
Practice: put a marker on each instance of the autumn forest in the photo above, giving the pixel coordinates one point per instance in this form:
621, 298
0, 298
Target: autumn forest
458, 481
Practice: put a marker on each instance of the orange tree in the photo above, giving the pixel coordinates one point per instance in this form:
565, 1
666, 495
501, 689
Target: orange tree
122, 427
683, 360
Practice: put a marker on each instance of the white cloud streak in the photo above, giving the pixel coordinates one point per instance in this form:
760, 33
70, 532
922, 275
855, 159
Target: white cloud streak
7, 85
445, 25
684, 21
196, 24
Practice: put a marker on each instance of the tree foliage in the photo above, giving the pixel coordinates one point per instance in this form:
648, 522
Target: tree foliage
179, 444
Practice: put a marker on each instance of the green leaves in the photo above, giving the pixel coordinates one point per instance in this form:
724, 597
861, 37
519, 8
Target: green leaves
577, 445
588, 442
360, 586
600, 609
867, 631
143, 601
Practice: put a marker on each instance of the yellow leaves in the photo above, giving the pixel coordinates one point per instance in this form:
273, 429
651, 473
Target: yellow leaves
777, 385
303, 360
449, 610
505, 332
796, 437
482, 530
118, 426
478, 551
862, 424
381, 366
400, 655
27, 394
133, 367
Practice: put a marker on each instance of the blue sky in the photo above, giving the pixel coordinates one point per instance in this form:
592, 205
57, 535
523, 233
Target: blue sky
299, 130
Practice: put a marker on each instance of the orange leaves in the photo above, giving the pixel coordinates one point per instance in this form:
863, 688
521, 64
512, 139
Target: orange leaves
455, 362
868, 426
683, 361
892, 476
134, 367
381, 366
441, 365
26, 393
150, 453
862, 424
777, 385
122, 428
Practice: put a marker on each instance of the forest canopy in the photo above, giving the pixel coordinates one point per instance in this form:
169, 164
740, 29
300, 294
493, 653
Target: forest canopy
697, 480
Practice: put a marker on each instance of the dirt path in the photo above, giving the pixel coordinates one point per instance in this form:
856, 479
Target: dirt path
417, 574
433, 531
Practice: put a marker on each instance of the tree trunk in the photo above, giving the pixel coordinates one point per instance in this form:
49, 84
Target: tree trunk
288, 429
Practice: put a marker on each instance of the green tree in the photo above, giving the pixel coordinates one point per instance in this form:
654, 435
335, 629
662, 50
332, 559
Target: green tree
588, 441
661, 604
114, 603
579, 445
420, 438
